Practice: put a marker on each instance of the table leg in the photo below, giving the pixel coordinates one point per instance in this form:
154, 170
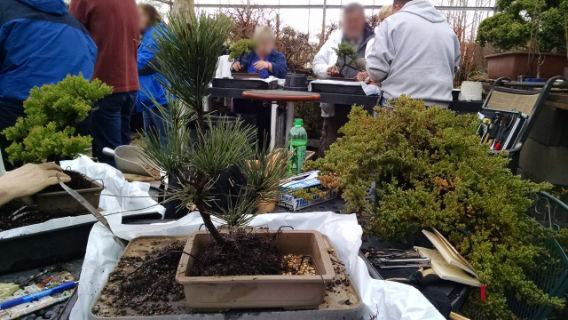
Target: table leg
289, 117
273, 116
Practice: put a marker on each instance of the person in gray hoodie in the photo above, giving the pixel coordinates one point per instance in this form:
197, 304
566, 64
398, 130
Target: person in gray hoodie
416, 53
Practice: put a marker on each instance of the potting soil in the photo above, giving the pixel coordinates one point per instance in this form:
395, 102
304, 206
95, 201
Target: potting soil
17, 214
145, 286
244, 253
78, 182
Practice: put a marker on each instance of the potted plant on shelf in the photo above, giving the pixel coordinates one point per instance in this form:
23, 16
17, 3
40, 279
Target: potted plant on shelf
532, 35
224, 173
47, 133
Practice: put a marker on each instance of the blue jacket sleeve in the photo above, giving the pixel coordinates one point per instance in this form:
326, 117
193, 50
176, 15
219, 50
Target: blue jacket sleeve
279, 67
146, 49
245, 61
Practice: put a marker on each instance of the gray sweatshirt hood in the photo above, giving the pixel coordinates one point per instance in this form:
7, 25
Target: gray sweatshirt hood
423, 9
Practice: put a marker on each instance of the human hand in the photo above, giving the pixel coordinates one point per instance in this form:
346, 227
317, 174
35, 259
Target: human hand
332, 71
261, 65
362, 76
237, 66
29, 180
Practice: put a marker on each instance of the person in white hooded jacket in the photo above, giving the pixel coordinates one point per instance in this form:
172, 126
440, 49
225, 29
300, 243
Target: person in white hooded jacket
416, 53
358, 33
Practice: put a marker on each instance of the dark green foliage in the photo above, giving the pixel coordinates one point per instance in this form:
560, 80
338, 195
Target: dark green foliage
539, 25
47, 132
187, 52
431, 170
347, 57
206, 157
241, 47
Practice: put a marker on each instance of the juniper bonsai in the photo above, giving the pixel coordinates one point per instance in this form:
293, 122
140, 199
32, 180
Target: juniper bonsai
47, 132
431, 170
241, 47
220, 171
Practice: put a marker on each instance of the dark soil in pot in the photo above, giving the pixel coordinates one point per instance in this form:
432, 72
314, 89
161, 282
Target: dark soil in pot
244, 254
78, 182
17, 214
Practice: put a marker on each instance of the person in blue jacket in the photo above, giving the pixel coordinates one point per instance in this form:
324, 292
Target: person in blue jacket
264, 59
151, 89
40, 43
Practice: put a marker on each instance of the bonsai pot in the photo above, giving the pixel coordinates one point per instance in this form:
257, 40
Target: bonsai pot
60, 203
514, 64
245, 75
262, 291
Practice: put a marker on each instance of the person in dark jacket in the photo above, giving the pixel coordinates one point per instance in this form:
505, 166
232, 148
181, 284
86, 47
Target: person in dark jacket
264, 59
151, 89
113, 25
40, 43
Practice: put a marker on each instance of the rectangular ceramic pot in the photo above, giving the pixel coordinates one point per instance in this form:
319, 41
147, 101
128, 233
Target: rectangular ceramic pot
262, 291
514, 64
60, 203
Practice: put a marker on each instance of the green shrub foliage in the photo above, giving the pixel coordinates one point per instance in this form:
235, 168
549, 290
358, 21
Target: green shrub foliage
241, 47
534, 24
46, 133
431, 170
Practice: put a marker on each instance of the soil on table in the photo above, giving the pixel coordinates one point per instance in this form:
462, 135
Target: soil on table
78, 182
145, 286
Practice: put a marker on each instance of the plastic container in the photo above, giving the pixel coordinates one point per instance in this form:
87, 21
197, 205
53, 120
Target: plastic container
60, 202
262, 291
298, 139
44, 248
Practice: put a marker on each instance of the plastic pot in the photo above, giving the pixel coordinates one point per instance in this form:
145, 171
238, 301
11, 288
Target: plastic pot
60, 203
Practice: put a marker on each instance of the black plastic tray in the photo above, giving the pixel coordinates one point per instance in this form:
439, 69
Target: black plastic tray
337, 88
244, 84
457, 293
44, 248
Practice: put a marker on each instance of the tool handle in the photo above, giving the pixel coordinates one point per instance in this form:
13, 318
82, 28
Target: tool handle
37, 295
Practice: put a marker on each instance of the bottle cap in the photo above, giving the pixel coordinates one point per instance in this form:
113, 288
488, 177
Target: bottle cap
298, 122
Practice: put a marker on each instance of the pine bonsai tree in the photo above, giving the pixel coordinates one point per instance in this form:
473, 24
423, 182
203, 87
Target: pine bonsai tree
347, 58
220, 172
47, 131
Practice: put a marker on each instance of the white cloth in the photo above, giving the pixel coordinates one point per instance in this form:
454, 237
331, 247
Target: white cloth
223, 67
387, 300
419, 53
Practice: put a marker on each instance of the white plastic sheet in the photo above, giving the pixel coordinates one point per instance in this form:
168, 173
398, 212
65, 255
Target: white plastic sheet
118, 198
387, 300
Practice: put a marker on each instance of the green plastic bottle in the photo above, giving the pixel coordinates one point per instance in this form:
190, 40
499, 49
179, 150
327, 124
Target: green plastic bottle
298, 138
